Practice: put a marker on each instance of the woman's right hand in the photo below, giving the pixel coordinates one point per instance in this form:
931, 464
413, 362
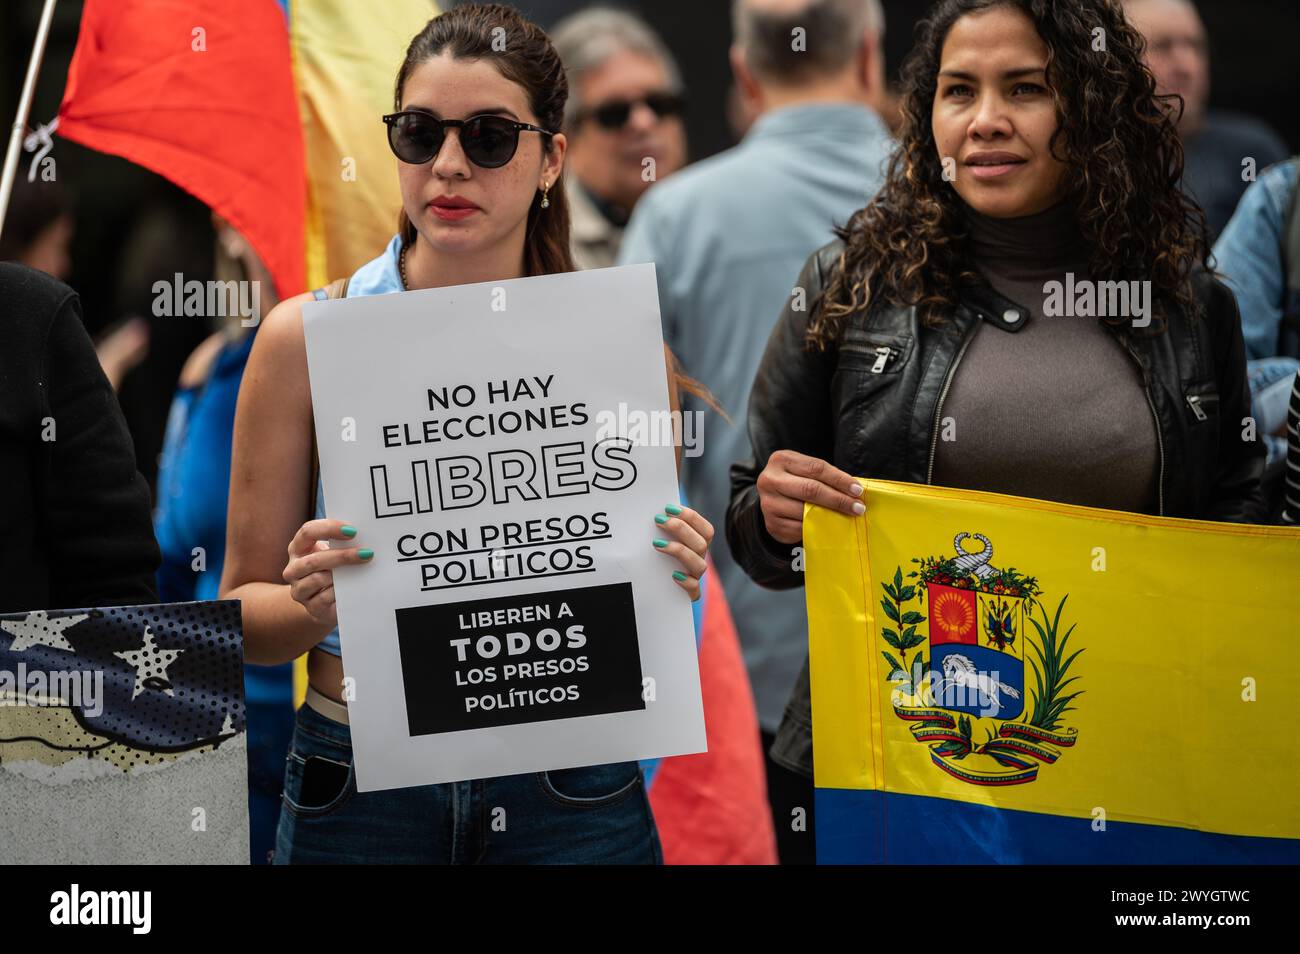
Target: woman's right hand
790, 479
310, 571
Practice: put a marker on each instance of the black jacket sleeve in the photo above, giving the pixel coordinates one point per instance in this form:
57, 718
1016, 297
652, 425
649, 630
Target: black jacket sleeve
1236, 495
789, 409
94, 507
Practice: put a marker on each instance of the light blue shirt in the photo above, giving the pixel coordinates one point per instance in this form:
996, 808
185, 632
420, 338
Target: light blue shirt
379, 276
729, 236
1249, 254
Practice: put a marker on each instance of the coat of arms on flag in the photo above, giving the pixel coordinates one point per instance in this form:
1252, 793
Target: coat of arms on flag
967, 701
122, 735
1055, 684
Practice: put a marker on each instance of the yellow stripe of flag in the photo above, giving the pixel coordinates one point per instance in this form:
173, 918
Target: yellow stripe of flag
346, 56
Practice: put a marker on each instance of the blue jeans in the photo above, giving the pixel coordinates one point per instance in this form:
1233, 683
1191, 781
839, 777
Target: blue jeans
595, 815
1271, 382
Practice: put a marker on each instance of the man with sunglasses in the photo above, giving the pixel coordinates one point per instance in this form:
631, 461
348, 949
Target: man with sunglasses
728, 237
623, 122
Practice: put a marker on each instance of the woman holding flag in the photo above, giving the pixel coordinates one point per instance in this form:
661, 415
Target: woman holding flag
1024, 308
480, 162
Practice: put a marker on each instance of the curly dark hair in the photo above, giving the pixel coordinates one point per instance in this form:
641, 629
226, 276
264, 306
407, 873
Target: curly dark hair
908, 246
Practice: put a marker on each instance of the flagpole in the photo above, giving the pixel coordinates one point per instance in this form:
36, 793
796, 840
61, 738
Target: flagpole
24, 107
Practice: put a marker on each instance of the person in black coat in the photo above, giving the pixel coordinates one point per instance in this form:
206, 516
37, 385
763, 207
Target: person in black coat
934, 343
74, 511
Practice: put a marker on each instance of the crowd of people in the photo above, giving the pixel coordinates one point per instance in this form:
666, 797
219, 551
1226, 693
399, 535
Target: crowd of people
863, 276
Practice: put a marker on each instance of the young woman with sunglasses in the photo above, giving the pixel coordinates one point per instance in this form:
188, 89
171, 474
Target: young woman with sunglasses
1034, 151
480, 164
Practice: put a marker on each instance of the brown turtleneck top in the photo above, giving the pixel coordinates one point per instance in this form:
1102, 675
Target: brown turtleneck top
1056, 410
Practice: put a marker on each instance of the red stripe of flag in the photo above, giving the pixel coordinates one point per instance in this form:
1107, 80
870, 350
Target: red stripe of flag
201, 92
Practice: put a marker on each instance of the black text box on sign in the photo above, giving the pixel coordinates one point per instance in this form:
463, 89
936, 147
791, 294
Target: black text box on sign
527, 658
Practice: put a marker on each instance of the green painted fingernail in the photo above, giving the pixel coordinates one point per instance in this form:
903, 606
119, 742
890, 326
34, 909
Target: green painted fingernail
365, 554
660, 543
660, 519
673, 509
679, 576
348, 532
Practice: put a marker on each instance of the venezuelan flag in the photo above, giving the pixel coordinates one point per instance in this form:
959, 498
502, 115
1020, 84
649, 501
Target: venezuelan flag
996, 680
266, 110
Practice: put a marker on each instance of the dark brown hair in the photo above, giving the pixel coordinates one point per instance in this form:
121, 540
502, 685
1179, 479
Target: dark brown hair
523, 54
1117, 136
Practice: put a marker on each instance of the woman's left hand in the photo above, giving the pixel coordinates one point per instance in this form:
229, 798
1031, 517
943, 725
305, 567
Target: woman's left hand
686, 536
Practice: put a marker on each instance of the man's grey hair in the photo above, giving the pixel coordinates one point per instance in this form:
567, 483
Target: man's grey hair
832, 30
588, 38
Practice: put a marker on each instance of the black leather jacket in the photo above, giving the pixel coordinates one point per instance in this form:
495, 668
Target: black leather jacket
872, 406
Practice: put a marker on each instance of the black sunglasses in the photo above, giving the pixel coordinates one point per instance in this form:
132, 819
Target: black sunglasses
615, 113
488, 141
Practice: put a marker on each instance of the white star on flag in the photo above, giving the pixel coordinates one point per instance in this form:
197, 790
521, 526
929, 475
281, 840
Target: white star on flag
39, 630
150, 661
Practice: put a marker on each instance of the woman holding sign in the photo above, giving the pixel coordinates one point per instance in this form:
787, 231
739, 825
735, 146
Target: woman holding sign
1024, 308
480, 97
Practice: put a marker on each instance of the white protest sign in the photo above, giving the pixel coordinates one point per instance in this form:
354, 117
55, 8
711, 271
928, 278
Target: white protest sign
495, 446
